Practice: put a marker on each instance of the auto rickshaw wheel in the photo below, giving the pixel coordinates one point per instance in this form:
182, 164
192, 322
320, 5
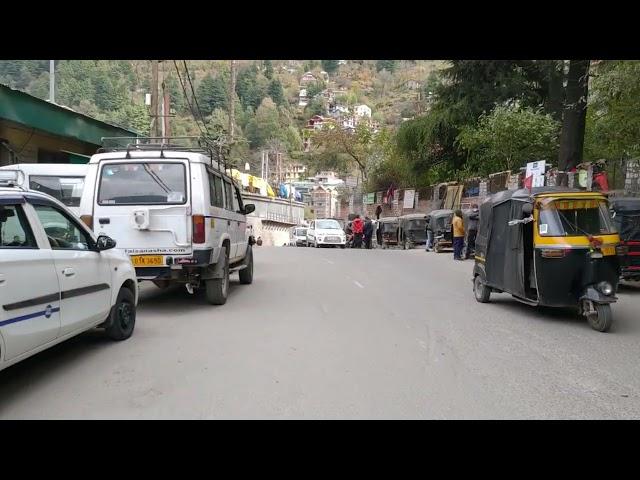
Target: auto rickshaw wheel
480, 290
602, 319
436, 247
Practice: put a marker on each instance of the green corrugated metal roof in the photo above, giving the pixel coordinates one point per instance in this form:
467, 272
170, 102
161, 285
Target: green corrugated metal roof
33, 112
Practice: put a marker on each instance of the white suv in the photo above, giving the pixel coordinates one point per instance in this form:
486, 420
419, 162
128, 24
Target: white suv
175, 211
56, 278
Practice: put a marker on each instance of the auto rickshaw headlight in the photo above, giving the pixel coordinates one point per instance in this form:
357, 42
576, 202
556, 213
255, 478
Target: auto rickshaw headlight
606, 288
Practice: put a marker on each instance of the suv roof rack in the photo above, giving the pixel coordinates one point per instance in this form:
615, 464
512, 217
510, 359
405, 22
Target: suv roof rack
215, 149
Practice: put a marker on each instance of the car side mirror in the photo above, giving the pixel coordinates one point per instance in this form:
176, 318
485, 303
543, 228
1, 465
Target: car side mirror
248, 208
105, 243
527, 209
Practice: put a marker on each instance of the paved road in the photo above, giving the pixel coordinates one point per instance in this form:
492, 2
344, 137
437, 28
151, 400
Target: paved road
326, 333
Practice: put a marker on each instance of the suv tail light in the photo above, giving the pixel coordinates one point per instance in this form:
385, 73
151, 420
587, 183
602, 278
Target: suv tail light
87, 220
198, 229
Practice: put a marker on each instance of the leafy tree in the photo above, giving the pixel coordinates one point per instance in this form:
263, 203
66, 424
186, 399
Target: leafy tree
613, 118
330, 66
336, 143
176, 95
292, 139
265, 124
249, 89
315, 88
315, 107
276, 92
388, 65
212, 93
268, 69
508, 138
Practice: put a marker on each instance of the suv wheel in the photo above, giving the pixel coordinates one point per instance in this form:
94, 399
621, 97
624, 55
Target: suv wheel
217, 289
246, 274
122, 319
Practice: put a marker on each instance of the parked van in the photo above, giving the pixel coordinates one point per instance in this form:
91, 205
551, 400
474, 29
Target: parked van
64, 182
179, 216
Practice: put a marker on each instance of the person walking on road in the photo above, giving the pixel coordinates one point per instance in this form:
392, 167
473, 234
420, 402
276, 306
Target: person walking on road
458, 235
429, 246
368, 232
472, 230
378, 212
358, 229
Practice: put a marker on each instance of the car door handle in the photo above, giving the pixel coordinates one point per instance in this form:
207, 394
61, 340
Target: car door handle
68, 272
228, 222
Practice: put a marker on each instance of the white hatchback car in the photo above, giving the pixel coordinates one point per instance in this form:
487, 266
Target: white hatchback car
326, 231
56, 278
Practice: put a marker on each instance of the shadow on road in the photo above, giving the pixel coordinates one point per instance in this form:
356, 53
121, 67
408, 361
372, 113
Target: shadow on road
566, 316
49, 365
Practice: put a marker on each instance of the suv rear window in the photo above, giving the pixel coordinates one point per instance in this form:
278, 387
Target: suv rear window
144, 183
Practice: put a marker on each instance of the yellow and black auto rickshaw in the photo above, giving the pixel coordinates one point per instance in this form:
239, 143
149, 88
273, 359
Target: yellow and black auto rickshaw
388, 227
549, 246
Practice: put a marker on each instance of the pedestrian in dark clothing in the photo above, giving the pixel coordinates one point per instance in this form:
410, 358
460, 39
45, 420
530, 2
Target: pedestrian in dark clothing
368, 233
458, 235
378, 212
472, 230
358, 228
429, 245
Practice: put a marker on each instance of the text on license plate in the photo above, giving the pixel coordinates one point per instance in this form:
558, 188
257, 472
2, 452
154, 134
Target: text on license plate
608, 251
147, 260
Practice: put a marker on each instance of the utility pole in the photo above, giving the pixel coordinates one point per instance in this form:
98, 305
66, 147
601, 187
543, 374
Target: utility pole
167, 112
154, 99
232, 106
52, 81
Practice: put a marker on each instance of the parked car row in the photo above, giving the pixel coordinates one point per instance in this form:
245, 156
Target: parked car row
175, 214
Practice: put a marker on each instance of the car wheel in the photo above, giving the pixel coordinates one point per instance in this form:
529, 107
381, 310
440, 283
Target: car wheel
246, 274
217, 289
122, 316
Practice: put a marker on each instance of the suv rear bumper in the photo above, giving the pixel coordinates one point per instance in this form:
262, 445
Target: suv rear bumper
200, 258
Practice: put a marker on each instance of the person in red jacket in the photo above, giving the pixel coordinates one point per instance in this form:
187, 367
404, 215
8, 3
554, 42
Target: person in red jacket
358, 228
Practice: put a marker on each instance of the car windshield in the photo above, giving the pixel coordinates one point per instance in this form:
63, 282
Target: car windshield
328, 225
142, 184
66, 189
389, 227
567, 218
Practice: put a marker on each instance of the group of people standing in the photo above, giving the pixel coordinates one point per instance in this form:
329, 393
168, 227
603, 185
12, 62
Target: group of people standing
361, 231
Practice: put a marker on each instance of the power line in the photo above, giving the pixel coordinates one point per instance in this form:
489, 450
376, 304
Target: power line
186, 97
195, 97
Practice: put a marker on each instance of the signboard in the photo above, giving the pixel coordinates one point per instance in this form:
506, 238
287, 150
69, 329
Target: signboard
351, 181
409, 198
369, 198
535, 170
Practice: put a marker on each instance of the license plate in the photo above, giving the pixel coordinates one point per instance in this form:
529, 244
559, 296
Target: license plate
147, 260
608, 251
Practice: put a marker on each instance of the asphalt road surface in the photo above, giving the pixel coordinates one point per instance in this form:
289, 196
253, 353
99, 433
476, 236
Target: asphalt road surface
340, 334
